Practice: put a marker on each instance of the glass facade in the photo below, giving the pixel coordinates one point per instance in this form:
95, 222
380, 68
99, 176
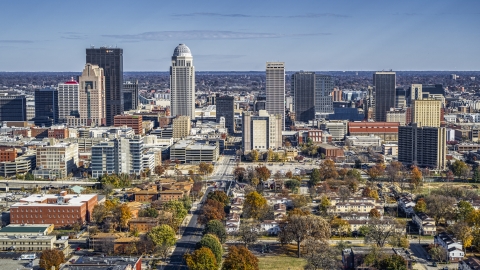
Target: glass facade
385, 92
46, 107
13, 108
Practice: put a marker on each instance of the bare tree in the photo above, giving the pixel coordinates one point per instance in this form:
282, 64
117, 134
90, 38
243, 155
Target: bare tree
248, 233
378, 231
320, 255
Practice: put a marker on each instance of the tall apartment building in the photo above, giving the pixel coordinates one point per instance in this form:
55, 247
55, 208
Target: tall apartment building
303, 86
385, 91
181, 127
275, 89
422, 146
133, 121
261, 132
68, 100
130, 95
225, 106
46, 107
323, 94
111, 61
182, 82
13, 108
59, 159
61, 210
416, 92
426, 112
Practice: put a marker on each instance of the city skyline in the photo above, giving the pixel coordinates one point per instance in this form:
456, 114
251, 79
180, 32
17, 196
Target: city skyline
314, 36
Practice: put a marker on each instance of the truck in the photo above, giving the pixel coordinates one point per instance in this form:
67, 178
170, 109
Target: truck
32, 256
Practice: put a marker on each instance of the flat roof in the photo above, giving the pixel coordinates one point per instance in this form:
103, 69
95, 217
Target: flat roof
32, 228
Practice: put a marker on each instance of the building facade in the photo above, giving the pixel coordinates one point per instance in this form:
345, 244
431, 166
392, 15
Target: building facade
13, 108
182, 82
275, 89
323, 94
111, 61
303, 86
61, 158
181, 127
261, 132
68, 100
385, 92
130, 95
46, 107
426, 112
225, 106
133, 121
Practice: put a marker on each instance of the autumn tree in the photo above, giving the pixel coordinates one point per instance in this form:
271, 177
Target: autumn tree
374, 213
464, 209
239, 173
159, 170
201, 259
163, 237
99, 213
254, 206
376, 172
51, 258
463, 232
219, 196
254, 154
210, 211
122, 215
394, 171
320, 255
458, 166
439, 206
240, 258
324, 204
416, 177
263, 173
289, 174
340, 226
367, 192
300, 228
438, 253
205, 168
420, 206
217, 228
213, 243
399, 240
328, 170
344, 193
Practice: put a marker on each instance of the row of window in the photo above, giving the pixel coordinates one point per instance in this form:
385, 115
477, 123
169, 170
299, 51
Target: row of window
50, 216
49, 210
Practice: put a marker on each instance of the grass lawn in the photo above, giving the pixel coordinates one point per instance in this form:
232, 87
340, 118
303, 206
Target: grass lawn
281, 262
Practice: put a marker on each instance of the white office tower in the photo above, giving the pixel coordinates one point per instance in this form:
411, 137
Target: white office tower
182, 82
275, 89
68, 102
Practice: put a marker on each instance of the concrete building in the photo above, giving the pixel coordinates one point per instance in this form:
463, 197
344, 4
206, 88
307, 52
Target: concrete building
422, 146
32, 243
338, 129
181, 127
261, 132
426, 112
130, 95
60, 159
275, 89
133, 121
111, 61
303, 87
225, 107
188, 151
323, 94
397, 116
13, 108
61, 210
385, 87
387, 131
68, 100
366, 141
390, 149
182, 82
21, 165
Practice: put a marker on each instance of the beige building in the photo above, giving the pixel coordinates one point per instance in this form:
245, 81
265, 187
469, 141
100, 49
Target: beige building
390, 149
181, 127
91, 98
35, 243
262, 132
397, 116
426, 112
61, 158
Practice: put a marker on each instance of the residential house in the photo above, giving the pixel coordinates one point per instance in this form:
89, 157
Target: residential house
232, 223
453, 246
471, 263
270, 226
406, 204
426, 224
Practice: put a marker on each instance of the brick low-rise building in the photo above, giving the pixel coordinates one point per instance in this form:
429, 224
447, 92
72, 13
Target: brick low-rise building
61, 210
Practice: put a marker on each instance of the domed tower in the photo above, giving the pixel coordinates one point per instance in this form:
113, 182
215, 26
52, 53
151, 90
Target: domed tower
182, 82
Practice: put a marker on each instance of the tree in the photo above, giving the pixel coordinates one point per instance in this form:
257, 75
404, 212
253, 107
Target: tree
148, 212
293, 185
449, 176
29, 176
438, 253
339, 226
205, 168
324, 204
378, 231
289, 174
176, 208
254, 206
239, 173
398, 241
248, 233
217, 228
163, 238
219, 196
463, 232
240, 258
254, 155
375, 172
394, 171
394, 262
415, 177
374, 213
439, 206
50, 258
344, 193
353, 173
328, 170
213, 243
367, 192
420, 206
99, 213
458, 166
212, 210
320, 255
159, 170
300, 201
263, 173
464, 209
315, 177
300, 228
201, 259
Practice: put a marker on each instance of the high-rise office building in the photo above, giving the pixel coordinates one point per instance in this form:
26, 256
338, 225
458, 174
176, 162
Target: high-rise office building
130, 95
427, 112
111, 61
13, 108
182, 82
275, 89
384, 83
68, 100
416, 92
181, 127
225, 106
323, 94
46, 107
261, 132
303, 87
422, 146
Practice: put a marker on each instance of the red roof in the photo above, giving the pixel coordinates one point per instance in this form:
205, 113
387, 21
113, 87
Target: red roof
71, 82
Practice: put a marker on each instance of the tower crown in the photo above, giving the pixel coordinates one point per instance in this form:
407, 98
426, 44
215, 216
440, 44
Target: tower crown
182, 50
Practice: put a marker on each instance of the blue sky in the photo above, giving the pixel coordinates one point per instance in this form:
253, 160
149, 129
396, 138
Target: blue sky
243, 35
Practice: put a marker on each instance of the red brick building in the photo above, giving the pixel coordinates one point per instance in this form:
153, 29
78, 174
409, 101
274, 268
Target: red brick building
61, 210
388, 131
8, 154
58, 133
133, 121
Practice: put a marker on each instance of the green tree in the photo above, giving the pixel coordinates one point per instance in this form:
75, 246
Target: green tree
201, 259
394, 262
254, 206
458, 167
219, 196
464, 209
398, 241
148, 212
324, 204
293, 185
51, 258
29, 176
420, 206
217, 228
240, 258
176, 208
213, 243
254, 154
163, 238
354, 174
315, 178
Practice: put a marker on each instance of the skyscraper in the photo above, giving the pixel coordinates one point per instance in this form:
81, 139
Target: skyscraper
384, 83
323, 94
182, 82
275, 89
68, 101
225, 108
111, 61
303, 86
261, 132
426, 112
46, 107
130, 96
13, 108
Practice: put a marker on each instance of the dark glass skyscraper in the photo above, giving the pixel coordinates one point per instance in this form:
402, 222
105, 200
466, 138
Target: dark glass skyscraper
323, 94
303, 85
225, 108
130, 96
46, 107
13, 108
385, 92
111, 60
